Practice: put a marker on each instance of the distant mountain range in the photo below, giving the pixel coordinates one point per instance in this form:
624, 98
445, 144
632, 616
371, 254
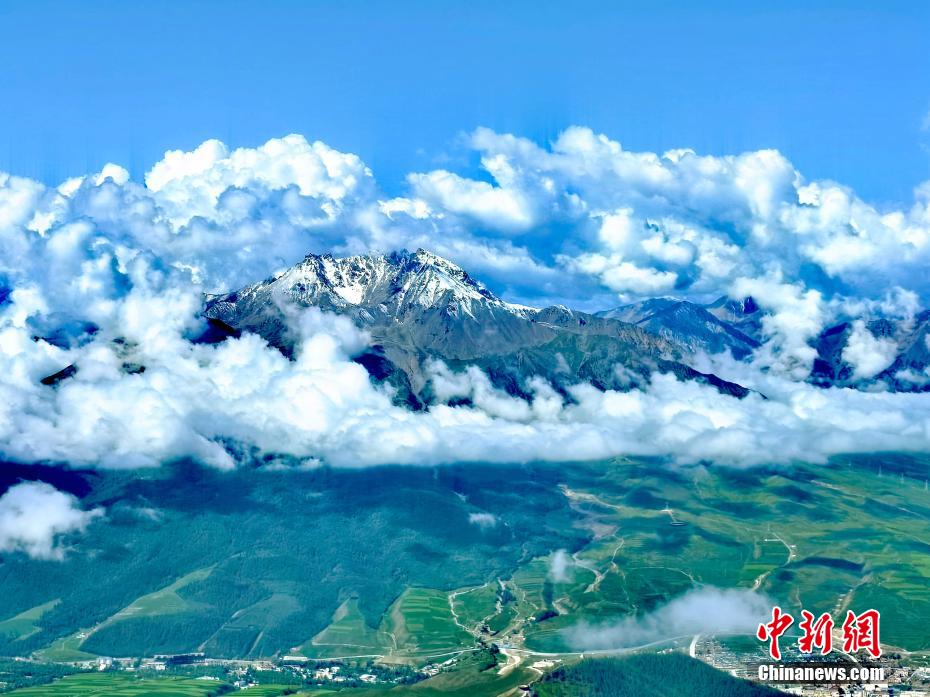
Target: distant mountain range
722, 326
419, 307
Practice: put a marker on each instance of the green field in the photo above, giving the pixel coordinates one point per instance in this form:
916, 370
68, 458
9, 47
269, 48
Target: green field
347, 635
475, 605
25, 624
421, 624
477, 675
121, 685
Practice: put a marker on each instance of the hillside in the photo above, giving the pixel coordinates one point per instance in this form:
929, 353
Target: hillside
656, 675
407, 563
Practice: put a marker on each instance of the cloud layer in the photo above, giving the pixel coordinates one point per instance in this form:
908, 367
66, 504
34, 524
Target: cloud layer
699, 611
108, 275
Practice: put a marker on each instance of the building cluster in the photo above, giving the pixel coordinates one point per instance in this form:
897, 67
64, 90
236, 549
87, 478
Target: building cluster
898, 679
436, 668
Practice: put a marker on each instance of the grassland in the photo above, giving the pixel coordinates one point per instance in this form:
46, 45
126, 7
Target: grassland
822, 538
285, 549
66, 649
25, 624
121, 685
165, 601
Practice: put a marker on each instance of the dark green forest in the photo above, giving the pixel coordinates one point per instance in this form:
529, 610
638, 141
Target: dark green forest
655, 675
286, 547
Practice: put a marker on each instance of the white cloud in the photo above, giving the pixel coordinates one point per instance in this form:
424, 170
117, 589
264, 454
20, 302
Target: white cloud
195, 400
796, 317
133, 260
868, 354
36, 518
641, 223
483, 520
491, 206
623, 276
700, 611
560, 567
214, 183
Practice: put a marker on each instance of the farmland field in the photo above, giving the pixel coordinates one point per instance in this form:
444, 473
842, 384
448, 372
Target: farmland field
421, 622
348, 634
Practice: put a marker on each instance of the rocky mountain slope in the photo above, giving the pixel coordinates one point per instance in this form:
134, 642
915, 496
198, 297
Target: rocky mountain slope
419, 307
908, 368
687, 324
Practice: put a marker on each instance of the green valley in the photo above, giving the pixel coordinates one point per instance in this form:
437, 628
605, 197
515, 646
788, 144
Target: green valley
390, 567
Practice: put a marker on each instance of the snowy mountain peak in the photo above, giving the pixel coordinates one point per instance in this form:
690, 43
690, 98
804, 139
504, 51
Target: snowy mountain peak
386, 283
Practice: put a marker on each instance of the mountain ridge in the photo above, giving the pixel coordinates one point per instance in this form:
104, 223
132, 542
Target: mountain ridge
420, 307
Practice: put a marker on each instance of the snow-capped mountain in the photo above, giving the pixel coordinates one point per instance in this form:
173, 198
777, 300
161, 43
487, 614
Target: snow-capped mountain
419, 307
398, 283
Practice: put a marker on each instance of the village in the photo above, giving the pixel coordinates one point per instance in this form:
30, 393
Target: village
288, 669
300, 670
898, 679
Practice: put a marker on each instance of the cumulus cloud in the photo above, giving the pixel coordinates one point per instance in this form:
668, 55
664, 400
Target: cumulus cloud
646, 223
795, 317
699, 611
35, 518
108, 275
867, 354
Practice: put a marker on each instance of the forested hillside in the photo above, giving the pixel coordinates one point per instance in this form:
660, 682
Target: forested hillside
656, 675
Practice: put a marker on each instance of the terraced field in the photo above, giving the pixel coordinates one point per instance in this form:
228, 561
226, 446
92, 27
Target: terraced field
421, 623
347, 635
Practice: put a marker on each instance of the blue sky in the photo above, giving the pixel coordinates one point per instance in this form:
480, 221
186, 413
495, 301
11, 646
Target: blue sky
842, 91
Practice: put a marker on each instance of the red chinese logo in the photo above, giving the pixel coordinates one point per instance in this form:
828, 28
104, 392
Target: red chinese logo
817, 634
774, 629
860, 632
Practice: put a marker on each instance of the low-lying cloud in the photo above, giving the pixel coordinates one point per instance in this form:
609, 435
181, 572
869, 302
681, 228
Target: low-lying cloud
560, 567
483, 520
36, 519
699, 611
